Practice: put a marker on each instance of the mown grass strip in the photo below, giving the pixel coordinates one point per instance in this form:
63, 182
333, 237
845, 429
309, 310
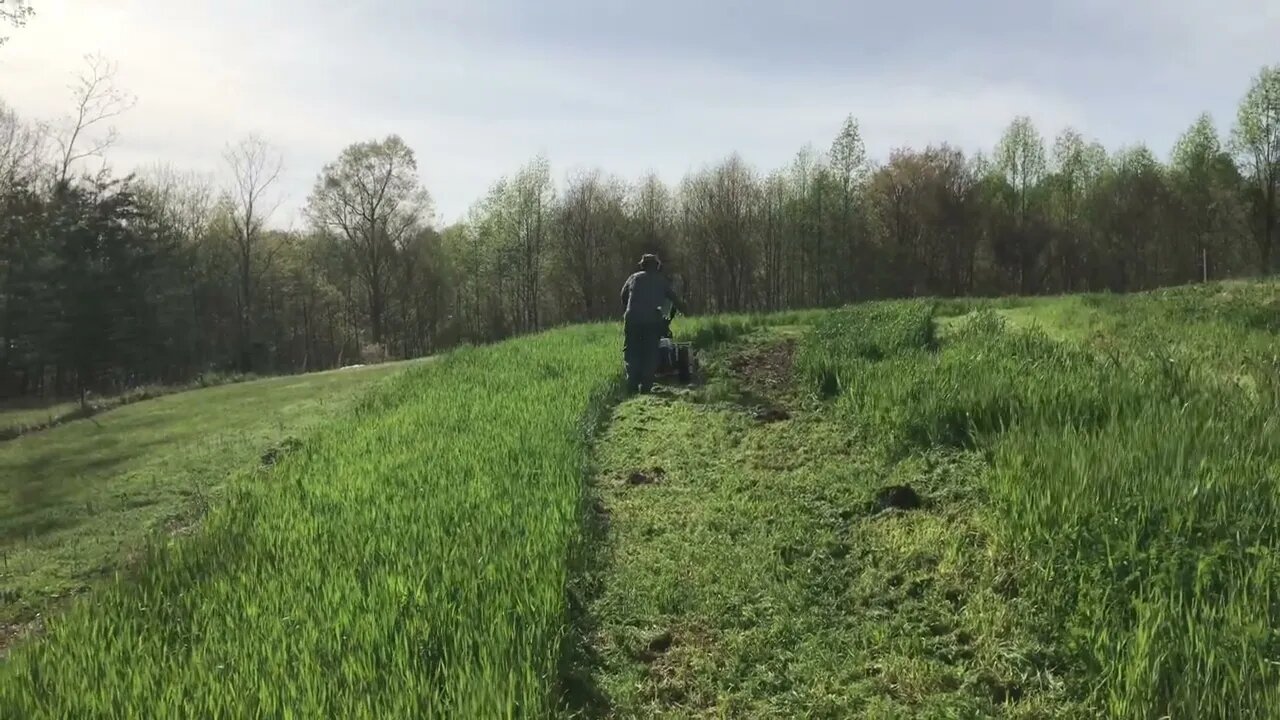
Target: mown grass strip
743, 571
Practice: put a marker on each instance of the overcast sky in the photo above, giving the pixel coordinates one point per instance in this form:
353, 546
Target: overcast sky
478, 87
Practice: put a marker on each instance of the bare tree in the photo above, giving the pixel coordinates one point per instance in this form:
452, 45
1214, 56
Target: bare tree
97, 100
181, 203
15, 13
591, 222
255, 168
1021, 160
1257, 142
720, 207
21, 147
850, 169
533, 194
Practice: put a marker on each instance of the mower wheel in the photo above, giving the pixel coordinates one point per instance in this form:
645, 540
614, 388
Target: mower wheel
682, 364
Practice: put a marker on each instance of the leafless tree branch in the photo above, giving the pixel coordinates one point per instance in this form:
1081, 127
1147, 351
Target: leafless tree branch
97, 100
15, 13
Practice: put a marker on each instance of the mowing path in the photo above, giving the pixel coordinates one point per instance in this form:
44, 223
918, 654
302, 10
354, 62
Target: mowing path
745, 569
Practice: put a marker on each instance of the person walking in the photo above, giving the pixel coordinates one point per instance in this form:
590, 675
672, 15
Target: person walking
643, 296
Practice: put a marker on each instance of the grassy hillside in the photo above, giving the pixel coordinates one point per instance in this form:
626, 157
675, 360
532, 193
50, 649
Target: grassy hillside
1130, 481
30, 415
1097, 533
77, 500
406, 561
745, 570
1094, 535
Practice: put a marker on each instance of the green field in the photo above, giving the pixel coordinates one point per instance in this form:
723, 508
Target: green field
78, 500
501, 534
21, 418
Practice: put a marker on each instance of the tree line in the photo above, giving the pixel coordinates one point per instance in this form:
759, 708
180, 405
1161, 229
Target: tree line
164, 275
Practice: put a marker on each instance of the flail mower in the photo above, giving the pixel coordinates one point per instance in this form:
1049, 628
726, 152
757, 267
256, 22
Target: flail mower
675, 359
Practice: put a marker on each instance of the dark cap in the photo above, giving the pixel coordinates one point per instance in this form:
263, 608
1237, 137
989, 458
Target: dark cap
650, 262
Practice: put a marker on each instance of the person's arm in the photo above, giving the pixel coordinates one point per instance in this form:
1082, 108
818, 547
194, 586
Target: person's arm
676, 302
626, 292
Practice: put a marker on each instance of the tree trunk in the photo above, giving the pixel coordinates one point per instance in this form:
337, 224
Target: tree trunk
246, 313
1268, 228
375, 316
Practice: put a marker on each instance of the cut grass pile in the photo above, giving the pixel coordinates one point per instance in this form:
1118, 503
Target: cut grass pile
78, 499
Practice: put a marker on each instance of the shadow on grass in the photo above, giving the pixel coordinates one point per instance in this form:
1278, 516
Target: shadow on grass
579, 696
580, 663
46, 492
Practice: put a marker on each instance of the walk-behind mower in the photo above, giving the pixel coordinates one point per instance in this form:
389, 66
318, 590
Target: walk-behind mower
674, 358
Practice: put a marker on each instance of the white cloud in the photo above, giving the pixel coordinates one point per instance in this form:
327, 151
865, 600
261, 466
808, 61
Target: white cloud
476, 92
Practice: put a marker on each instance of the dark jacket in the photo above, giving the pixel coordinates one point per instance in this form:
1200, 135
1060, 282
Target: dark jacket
643, 295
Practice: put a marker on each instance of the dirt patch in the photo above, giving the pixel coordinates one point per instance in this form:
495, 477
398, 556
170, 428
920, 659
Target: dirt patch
1002, 692
770, 415
181, 525
1006, 585
896, 497
646, 477
657, 646
13, 633
275, 453
675, 678
766, 369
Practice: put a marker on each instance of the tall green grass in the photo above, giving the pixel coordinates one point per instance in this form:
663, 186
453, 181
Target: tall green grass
1133, 481
844, 341
410, 561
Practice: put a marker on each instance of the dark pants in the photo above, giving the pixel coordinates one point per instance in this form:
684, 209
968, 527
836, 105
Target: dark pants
640, 353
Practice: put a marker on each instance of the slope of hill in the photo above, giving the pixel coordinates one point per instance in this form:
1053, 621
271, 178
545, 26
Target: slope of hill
1089, 530
78, 499
1047, 508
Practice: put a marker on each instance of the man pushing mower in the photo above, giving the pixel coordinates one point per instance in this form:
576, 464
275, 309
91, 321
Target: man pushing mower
644, 323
